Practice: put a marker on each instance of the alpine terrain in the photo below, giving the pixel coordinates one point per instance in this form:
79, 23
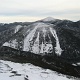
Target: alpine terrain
49, 43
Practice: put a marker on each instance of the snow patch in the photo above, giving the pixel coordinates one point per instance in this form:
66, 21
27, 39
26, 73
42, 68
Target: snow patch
48, 48
35, 48
12, 44
28, 40
74, 64
58, 50
17, 28
42, 46
78, 64
44, 32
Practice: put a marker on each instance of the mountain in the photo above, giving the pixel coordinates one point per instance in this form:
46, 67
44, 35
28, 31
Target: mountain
38, 38
60, 38
51, 42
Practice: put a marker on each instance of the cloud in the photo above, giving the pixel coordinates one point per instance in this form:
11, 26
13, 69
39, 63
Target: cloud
10, 19
69, 9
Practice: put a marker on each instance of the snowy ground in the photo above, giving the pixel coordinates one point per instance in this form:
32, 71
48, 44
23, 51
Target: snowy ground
16, 71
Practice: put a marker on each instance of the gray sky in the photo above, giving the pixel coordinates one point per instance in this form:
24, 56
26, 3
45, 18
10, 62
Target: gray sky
31, 10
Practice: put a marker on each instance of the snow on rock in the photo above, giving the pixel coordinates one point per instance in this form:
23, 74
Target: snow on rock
42, 46
26, 71
17, 28
58, 50
44, 32
12, 44
74, 64
48, 48
78, 64
28, 41
35, 47
6, 44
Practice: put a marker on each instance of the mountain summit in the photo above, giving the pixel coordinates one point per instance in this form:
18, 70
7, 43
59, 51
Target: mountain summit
48, 19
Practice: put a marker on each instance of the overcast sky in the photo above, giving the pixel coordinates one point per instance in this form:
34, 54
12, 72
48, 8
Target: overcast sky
31, 10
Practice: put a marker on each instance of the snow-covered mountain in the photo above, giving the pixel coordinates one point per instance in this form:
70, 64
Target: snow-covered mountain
48, 36
37, 39
59, 40
58, 37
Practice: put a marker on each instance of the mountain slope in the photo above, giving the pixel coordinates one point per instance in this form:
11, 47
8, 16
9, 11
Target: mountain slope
53, 42
37, 39
56, 37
